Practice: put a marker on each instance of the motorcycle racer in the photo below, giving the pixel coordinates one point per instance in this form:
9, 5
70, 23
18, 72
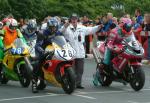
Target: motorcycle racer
43, 39
29, 32
121, 32
8, 34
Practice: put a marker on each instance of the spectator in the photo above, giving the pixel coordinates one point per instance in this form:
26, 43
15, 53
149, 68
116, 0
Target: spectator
21, 24
146, 27
75, 34
115, 20
109, 22
114, 23
139, 18
137, 28
101, 34
44, 23
127, 16
86, 22
98, 20
63, 20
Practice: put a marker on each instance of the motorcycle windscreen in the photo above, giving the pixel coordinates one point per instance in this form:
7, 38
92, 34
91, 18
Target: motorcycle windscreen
19, 47
60, 41
66, 52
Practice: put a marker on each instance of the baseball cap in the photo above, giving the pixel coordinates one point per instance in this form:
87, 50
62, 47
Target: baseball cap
74, 16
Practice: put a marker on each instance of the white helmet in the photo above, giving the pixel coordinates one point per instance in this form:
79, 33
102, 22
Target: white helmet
13, 24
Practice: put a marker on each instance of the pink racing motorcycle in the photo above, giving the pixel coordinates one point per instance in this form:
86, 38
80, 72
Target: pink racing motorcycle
125, 66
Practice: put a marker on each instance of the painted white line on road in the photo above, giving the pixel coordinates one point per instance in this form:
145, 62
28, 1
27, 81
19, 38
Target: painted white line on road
80, 92
141, 89
31, 97
124, 90
101, 92
132, 102
83, 96
137, 102
55, 94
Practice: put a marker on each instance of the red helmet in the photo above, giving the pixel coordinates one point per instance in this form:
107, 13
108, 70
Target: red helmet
126, 25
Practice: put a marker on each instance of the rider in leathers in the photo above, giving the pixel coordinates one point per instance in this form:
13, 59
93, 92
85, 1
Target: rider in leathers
44, 38
121, 32
30, 31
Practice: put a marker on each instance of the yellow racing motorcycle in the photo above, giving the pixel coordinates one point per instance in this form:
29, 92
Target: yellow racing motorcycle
16, 65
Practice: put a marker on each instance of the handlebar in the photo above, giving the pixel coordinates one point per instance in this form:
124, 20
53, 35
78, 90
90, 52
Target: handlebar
5, 50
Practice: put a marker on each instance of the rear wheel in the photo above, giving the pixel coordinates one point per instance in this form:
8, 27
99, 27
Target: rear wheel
105, 80
3, 78
138, 79
68, 80
24, 75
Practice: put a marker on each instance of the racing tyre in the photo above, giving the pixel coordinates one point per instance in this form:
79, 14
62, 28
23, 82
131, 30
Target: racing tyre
3, 80
68, 80
104, 79
24, 75
138, 79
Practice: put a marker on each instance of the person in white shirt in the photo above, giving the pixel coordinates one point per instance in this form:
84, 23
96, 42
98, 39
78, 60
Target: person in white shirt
75, 33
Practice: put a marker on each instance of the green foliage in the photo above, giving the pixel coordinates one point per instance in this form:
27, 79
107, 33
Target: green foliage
41, 8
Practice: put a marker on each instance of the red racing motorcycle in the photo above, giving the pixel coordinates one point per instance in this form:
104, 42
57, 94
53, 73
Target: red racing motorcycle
58, 69
125, 66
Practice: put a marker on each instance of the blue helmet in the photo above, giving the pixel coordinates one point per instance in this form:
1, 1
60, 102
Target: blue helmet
52, 23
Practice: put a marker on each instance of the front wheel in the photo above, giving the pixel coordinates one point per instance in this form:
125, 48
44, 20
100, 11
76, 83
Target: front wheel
41, 84
24, 75
68, 80
104, 78
137, 79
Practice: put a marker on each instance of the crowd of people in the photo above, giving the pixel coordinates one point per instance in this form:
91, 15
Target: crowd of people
77, 31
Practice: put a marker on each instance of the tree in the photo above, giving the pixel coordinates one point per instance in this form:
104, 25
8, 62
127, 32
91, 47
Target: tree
41, 8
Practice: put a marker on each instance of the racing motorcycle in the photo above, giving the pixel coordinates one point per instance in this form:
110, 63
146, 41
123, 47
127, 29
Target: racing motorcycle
125, 64
57, 69
16, 65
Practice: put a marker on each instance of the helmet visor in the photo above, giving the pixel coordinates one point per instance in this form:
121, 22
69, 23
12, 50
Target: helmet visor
52, 28
127, 27
13, 27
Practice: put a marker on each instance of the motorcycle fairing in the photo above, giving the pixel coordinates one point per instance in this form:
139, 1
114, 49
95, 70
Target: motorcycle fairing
50, 77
